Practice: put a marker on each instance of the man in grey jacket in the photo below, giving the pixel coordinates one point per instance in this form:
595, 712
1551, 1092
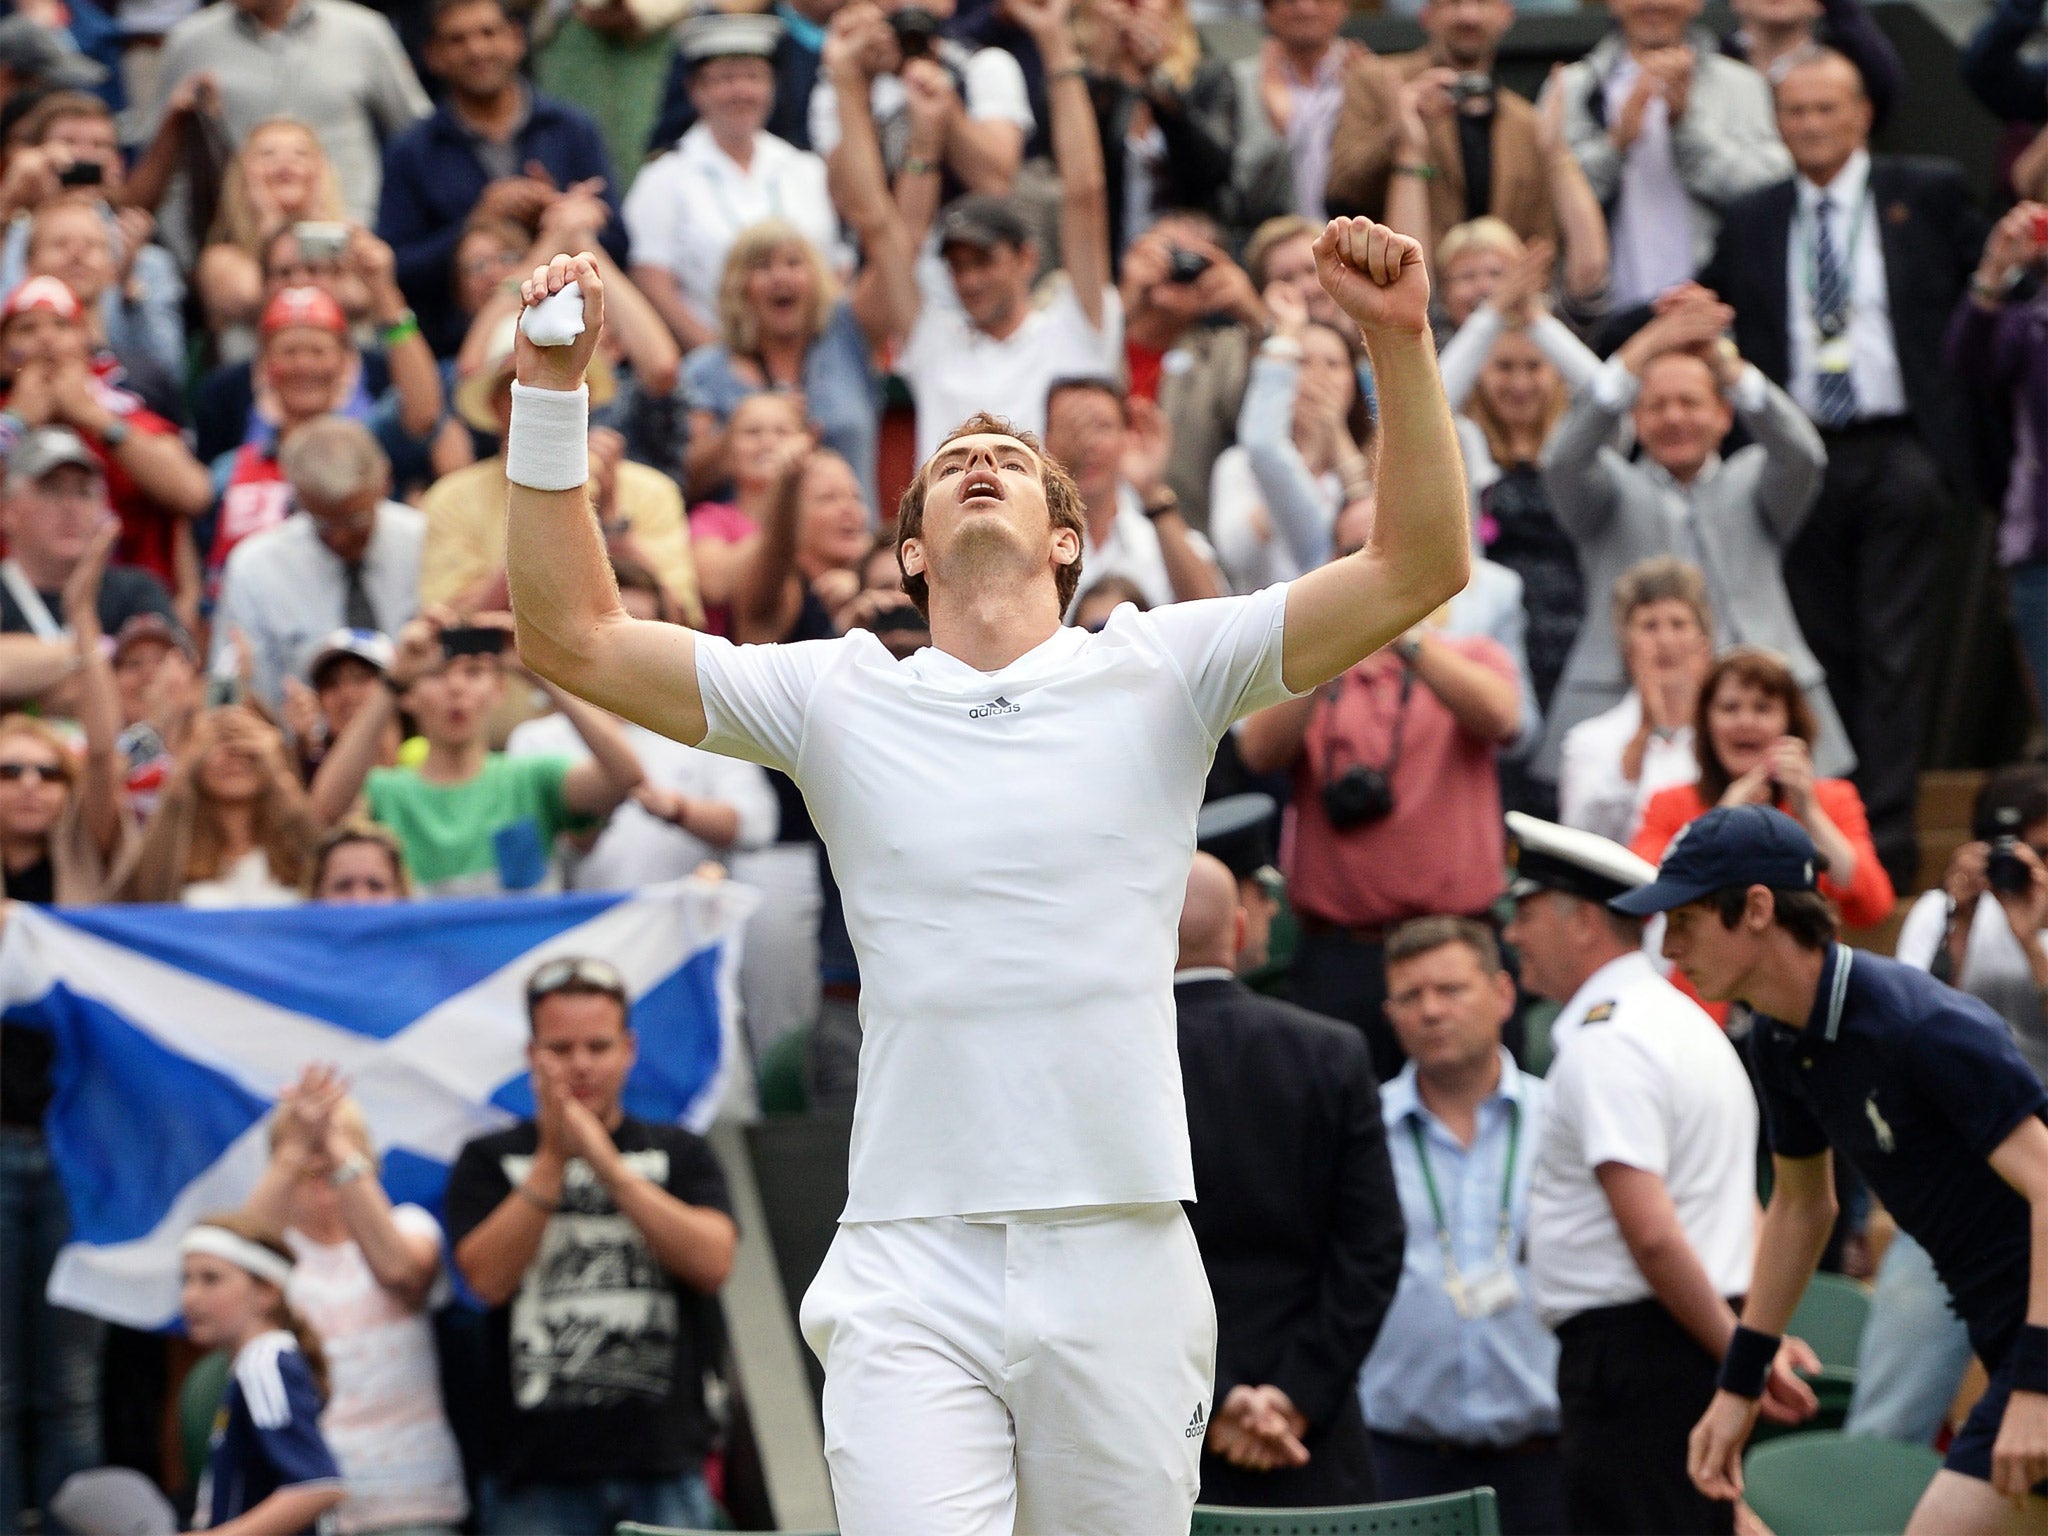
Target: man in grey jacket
1685, 385
1669, 131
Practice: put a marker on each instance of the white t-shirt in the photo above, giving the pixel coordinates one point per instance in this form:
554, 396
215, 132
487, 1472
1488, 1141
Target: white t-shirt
686, 208
637, 848
1995, 967
1645, 1079
954, 368
1592, 794
992, 91
1013, 851
383, 1420
1132, 551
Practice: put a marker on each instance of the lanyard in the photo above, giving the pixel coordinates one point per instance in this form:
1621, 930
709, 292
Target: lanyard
1507, 1190
30, 602
1809, 264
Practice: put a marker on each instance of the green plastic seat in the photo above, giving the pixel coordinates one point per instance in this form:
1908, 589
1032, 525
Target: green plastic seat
780, 1076
1831, 1317
1473, 1513
1830, 1484
199, 1398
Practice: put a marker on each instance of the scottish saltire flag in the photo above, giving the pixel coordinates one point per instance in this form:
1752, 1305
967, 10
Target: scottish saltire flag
176, 1030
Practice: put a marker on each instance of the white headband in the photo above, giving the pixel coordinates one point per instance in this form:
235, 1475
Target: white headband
238, 1251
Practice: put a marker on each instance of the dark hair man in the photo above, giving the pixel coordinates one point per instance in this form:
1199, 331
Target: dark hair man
1051, 1367
1922, 1089
592, 1237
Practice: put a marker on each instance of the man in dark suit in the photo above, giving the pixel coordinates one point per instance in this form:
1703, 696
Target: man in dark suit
1843, 279
1296, 1214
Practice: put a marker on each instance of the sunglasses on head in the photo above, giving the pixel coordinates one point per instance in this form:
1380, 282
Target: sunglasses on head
581, 972
43, 773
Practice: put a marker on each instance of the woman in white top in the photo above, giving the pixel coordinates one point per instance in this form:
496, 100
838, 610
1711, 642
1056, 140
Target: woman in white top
1614, 762
233, 827
365, 1277
1302, 452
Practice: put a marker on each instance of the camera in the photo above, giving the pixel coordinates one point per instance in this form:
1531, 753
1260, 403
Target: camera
916, 29
479, 641
320, 241
1357, 796
1185, 266
1471, 86
82, 173
2004, 870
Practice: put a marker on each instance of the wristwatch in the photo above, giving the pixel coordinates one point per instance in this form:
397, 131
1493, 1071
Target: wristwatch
1407, 648
1161, 502
348, 1172
115, 433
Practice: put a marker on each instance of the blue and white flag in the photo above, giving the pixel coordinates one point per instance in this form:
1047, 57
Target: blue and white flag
176, 1030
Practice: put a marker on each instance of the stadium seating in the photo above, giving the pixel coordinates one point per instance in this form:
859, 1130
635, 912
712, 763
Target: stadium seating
1831, 1484
1473, 1513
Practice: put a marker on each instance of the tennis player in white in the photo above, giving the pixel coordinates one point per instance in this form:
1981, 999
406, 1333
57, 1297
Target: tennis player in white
1016, 1330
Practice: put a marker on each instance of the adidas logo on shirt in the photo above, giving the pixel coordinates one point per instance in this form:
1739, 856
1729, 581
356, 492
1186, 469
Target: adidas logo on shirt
995, 706
1198, 1424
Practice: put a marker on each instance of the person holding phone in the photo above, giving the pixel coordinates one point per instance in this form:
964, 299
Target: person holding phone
473, 822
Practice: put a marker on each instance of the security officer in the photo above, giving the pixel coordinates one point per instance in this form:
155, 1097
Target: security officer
1238, 829
1642, 1207
1922, 1089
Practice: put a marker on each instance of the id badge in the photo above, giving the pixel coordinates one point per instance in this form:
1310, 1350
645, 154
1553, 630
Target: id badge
1486, 1295
1832, 354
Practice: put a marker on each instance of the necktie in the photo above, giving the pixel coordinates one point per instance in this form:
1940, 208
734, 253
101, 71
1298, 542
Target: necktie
357, 611
1834, 390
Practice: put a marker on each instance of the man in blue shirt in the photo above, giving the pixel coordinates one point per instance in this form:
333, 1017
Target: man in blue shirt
493, 148
1922, 1089
1460, 1391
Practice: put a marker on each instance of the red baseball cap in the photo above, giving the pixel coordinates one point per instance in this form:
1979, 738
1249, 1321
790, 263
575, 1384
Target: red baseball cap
311, 308
41, 293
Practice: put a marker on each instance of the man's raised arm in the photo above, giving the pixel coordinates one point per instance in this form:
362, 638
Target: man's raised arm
1420, 552
569, 623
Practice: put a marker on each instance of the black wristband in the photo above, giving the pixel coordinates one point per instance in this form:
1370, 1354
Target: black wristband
1747, 1365
2030, 1359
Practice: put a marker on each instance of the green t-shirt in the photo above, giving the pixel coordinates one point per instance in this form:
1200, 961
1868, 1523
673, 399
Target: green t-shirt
494, 833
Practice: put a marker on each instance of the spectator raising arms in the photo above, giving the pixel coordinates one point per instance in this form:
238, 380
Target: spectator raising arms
686, 208
363, 1278
1754, 737
279, 179
269, 1469
1613, 763
1288, 97
1165, 112
233, 827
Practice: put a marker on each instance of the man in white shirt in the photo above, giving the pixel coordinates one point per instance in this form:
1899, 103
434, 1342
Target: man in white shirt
348, 556
725, 174
1116, 450
1642, 1209
994, 350
1016, 1331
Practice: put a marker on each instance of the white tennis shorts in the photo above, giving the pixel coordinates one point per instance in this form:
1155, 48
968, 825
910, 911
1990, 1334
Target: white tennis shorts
1042, 1374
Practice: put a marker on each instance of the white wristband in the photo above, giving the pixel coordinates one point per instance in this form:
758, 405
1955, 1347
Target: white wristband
548, 445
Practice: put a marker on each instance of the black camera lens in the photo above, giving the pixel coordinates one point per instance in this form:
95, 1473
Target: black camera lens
2005, 871
916, 30
1186, 266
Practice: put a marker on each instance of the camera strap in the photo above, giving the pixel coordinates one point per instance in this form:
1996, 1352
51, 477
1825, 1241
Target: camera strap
1393, 758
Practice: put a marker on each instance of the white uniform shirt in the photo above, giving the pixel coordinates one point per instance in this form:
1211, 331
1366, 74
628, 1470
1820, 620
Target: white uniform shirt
1873, 359
687, 207
636, 847
954, 368
1013, 851
1646, 1079
1592, 794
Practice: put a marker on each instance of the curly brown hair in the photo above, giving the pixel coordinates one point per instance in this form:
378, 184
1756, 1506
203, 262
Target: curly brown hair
1062, 504
1765, 671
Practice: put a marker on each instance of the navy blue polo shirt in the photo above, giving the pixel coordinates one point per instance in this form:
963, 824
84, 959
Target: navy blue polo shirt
1915, 1084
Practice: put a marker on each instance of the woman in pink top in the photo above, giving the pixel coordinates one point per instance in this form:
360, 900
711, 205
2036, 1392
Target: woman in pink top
366, 1276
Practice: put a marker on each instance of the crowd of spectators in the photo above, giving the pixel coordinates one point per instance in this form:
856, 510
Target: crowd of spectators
1721, 374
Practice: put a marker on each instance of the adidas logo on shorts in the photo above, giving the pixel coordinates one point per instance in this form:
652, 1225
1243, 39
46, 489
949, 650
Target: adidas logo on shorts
1198, 1425
995, 706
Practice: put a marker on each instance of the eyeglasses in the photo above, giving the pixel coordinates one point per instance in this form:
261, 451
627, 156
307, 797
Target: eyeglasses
575, 971
43, 773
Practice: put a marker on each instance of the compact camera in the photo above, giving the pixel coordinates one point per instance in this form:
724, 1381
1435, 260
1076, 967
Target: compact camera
916, 29
1185, 266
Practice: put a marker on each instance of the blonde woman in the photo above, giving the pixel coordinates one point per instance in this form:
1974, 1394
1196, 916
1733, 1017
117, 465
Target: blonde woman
1165, 113
785, 326
280, 177
234, 827
364, 1276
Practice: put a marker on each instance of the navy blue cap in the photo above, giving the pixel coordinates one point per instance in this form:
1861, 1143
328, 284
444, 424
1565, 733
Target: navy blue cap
1729, 847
